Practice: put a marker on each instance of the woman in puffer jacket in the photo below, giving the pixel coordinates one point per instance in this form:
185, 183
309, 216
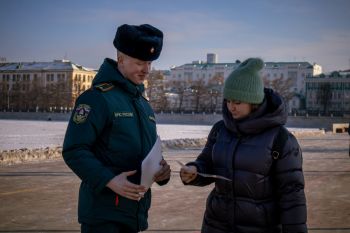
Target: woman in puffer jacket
264, 194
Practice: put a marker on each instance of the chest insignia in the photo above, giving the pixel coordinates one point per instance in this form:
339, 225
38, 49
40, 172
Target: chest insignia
81, 113
123, 114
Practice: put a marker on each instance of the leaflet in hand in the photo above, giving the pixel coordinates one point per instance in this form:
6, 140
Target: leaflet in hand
150, 165
206, 175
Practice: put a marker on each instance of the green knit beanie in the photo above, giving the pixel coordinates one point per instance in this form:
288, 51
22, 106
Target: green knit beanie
244, 83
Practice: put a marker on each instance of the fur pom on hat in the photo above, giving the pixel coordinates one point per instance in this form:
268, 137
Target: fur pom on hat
244, 83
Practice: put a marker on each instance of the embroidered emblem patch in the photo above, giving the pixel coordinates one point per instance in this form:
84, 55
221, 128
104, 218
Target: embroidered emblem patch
81, 113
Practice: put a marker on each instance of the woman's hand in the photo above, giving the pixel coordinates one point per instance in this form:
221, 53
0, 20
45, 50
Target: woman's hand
188, 173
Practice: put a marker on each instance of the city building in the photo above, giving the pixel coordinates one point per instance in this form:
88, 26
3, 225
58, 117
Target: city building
190, 79
42, 86
212, 75
328, 93
292, 74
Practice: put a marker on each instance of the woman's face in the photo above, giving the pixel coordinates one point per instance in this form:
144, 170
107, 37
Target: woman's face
238, 109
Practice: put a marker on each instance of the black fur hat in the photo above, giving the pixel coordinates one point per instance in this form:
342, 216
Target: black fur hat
143, 42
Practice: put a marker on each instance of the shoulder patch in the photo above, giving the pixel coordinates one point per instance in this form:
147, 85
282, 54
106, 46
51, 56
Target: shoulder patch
81, 113
104, 87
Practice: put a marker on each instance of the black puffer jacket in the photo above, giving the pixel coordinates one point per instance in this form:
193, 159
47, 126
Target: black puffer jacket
265, 196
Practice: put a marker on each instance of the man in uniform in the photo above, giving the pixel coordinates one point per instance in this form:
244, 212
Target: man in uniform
110, 132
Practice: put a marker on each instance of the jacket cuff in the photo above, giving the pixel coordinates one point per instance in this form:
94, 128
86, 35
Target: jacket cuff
196, 180
163, 182
104, 181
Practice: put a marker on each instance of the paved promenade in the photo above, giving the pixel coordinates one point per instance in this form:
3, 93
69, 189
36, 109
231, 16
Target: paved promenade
42, 197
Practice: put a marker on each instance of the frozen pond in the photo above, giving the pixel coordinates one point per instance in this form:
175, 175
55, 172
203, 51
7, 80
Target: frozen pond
16, 134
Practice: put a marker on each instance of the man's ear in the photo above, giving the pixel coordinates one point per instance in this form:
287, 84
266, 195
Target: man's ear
120, 58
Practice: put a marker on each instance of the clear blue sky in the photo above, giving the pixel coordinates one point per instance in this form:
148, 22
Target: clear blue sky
275, 30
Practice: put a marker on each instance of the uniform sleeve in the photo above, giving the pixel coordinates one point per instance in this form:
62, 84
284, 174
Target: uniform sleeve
204, 163
88, 119
163, 182
290, 188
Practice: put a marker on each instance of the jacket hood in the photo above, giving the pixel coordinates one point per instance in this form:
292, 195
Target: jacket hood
271, 113
109, 73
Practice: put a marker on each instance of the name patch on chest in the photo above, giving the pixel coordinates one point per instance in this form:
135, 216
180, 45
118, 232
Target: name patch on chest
123, 114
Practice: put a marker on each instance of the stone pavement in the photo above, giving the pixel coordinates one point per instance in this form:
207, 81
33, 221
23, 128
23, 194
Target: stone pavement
42, 197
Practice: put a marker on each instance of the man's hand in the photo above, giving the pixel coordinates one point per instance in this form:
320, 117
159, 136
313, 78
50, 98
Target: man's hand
188, 173
120, 185
163, 173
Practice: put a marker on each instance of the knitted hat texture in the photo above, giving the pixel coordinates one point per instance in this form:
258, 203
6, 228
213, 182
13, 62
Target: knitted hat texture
244, 83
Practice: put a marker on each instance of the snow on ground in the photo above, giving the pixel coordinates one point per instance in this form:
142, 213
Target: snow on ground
17, 134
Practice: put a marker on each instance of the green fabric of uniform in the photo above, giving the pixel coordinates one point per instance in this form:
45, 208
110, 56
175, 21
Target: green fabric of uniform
109, 227
116, 136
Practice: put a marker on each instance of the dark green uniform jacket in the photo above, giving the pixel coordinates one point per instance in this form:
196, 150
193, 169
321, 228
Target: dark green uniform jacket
111, 130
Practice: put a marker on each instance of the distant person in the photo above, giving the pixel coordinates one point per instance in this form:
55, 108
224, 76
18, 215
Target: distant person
111, 130
266, 193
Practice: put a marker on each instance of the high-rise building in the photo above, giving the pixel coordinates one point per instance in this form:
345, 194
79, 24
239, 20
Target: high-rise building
212, 58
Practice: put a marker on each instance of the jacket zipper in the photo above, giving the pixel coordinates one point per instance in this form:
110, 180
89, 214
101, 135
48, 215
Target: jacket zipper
234, 177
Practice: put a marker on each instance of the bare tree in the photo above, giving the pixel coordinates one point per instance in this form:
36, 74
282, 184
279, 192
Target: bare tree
36, 94
156, 91
3, 96
199, 90
215, 87
217, 79
324, 95
180, 88
15, 94
214, 94
282, 86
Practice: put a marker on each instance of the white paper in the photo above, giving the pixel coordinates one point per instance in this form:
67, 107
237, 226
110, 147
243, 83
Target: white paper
150, 165
206, 175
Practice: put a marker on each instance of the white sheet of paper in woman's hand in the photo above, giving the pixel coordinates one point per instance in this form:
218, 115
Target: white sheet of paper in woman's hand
150, 165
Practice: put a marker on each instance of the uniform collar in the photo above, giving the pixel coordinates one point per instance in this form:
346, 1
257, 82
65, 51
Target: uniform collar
109, 73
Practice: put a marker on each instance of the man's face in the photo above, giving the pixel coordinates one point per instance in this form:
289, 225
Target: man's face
135, 70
